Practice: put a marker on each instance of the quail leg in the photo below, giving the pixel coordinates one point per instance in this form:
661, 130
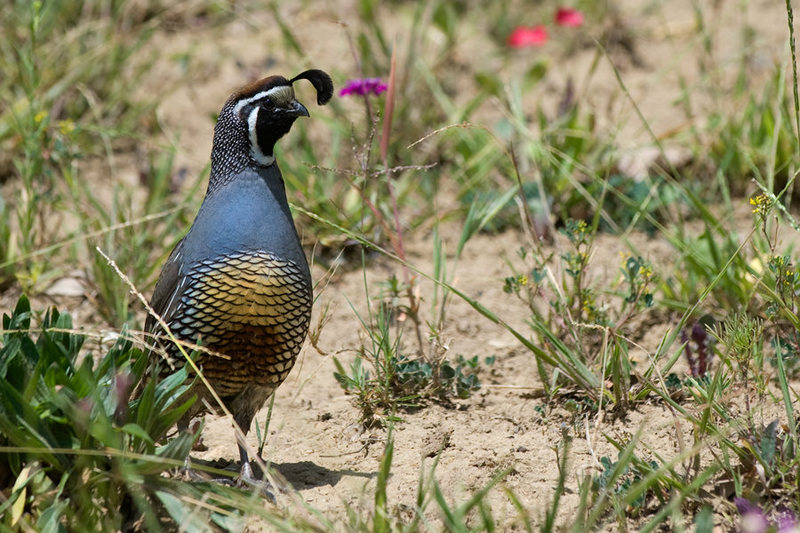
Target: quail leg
246, 477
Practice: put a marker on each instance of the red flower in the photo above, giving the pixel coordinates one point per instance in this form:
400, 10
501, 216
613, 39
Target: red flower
572, 18
523, 37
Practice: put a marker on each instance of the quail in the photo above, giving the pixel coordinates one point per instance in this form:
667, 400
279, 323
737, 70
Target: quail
238, 283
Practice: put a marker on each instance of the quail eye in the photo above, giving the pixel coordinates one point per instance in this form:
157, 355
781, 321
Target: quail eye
268, 104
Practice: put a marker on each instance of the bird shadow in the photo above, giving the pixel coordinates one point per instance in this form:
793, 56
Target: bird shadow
306, 474
300, 475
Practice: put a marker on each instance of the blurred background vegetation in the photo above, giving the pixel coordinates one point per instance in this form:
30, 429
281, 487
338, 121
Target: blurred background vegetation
106, 110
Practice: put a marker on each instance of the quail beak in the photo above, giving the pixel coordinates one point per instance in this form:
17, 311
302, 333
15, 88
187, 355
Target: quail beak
296, 109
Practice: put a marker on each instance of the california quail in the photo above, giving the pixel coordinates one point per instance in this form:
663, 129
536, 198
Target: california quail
238, 283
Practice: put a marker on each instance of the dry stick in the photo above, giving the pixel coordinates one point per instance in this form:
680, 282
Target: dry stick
465, 125
350, 174
240, 437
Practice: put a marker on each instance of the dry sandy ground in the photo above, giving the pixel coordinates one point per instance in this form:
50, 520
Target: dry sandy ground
315, 440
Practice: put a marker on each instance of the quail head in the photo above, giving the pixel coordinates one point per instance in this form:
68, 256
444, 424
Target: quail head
238, 283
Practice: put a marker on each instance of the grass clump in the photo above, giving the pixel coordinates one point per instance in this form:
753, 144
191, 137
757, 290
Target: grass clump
387, 374
77, 451
581, 338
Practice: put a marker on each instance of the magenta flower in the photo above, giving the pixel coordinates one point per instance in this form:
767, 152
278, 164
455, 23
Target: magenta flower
523, 37
363, 86
571, 18
786, 521
754, 520
698, 342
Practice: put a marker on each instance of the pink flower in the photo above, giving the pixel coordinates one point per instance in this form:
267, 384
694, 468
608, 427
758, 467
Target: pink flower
571, 18
362, 86
523, 37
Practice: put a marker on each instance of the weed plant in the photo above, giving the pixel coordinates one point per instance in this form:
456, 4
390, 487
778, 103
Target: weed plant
78, 452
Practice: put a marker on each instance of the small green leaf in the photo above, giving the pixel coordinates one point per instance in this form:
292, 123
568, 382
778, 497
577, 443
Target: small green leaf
183, 514
768, 441
489, 83
534, 75
20, 488
705, 520
135, 430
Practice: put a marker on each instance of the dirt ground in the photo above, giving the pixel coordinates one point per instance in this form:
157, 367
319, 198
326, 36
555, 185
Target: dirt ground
315, 439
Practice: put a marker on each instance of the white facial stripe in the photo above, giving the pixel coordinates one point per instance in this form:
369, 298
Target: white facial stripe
271, 92
255, 149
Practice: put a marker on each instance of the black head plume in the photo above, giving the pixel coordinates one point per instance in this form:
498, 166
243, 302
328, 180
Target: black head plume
321, 82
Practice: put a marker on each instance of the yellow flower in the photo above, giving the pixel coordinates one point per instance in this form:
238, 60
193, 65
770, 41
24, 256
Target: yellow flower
761, 204
40, 116
66, 126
